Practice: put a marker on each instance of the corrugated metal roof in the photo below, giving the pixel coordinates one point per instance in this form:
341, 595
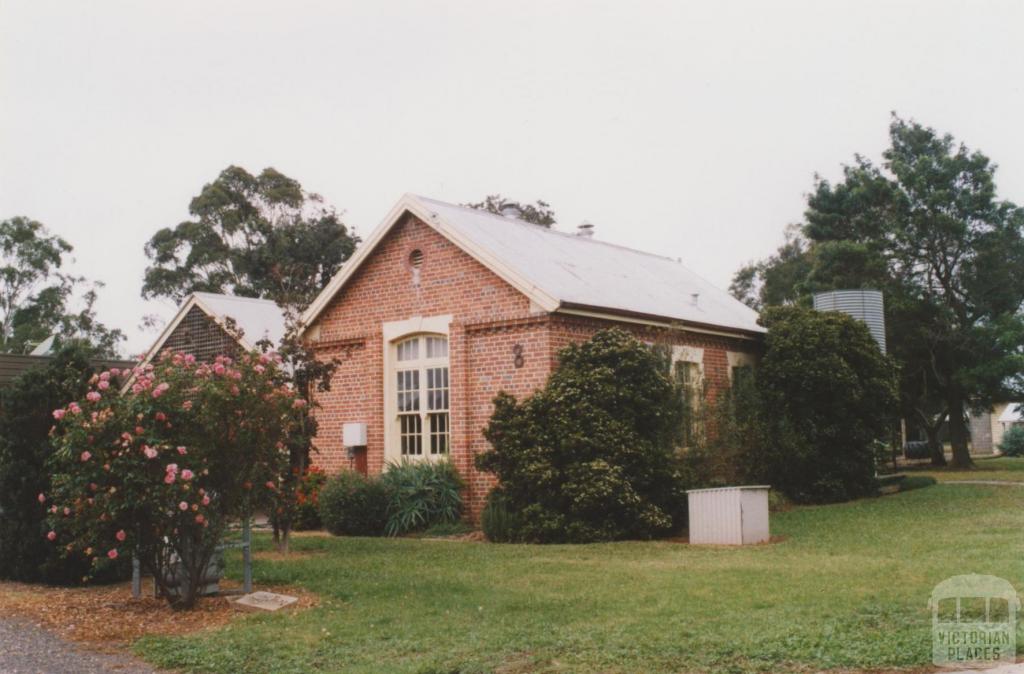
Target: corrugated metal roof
258, 319
1014, 413
585, 272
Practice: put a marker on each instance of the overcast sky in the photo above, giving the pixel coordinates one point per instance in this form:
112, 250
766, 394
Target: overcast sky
691, 129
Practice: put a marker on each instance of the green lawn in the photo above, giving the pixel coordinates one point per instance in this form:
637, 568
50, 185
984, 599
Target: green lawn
848, 588
1009, 469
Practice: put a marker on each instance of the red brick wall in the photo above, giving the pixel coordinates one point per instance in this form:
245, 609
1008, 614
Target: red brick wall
489, 317
490, 320
569, 329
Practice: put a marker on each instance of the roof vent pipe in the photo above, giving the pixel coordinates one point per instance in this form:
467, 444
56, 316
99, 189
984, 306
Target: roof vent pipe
695, 299
511, 212
586, 230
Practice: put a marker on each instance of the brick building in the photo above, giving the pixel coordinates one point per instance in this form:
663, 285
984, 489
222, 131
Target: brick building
207, 325
443, 306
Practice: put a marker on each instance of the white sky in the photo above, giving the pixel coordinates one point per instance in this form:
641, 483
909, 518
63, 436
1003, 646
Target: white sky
691, 129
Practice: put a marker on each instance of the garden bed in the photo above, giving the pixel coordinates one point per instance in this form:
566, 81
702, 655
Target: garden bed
106, 617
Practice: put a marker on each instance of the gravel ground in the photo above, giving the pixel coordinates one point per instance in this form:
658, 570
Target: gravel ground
28, 649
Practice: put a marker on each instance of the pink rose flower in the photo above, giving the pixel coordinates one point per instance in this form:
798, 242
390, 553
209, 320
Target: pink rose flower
218, 368
260, 369
172, 468
67, 511
114, 371
299, 403
182, 451
74, 408
183, 506
112, 553
121, 535
104, 376
42, 497
52, 535
200, 519
93, 396
186, 475
206, 500
170, 478
103, 385
149, 452
58, 414
270, 485
86, 455
160, 416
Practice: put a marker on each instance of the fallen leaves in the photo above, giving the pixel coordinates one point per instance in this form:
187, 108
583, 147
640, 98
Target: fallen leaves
108, 618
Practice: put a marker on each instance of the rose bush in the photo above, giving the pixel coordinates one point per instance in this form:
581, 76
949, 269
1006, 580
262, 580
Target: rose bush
160, 471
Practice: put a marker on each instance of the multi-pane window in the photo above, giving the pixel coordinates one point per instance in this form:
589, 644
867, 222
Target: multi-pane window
422, 396
689, 377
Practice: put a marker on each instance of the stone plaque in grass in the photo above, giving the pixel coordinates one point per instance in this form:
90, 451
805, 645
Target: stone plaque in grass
264, 601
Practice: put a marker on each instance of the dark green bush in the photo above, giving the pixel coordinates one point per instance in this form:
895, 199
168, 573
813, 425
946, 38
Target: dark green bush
421, 494
1013, 441
826, 395
352, 504
25, 422
498, 522
592, 455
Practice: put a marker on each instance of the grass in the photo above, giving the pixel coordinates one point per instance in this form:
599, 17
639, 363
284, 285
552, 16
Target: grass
847, 588
1001, 468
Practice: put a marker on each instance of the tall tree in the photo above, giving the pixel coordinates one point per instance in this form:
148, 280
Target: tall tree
927, 228
36, 296
254, 236
539, 212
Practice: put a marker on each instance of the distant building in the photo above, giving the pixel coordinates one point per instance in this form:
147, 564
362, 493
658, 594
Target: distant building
988, 427
14, 365
201, 326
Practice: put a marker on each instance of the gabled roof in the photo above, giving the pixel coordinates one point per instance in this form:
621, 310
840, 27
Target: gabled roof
258, 319
564, 272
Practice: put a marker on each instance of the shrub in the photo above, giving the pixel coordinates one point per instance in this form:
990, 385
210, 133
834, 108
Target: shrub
591, 456
497, 520
352, 504
161, 470
307, 498
421, 494
1013, 441
25, 448
826, 394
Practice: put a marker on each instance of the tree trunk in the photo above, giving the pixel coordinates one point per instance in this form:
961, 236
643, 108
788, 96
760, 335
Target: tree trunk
959, 434
938, 455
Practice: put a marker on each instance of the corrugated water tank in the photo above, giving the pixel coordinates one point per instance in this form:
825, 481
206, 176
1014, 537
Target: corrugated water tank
728, 515
867, 306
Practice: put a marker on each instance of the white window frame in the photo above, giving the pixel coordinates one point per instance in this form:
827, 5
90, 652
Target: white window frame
395, 333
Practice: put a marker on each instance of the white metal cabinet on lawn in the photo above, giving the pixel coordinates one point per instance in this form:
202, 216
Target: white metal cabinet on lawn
728, 515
